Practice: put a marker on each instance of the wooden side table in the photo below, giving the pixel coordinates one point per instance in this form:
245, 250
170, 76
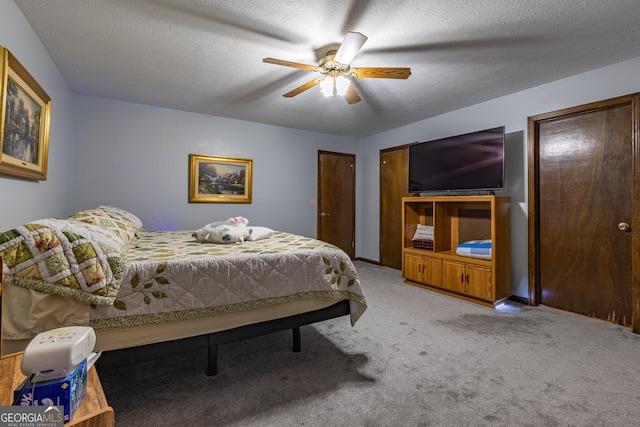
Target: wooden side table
94, 411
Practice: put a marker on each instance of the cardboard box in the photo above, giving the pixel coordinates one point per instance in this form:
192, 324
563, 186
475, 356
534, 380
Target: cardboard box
66, 392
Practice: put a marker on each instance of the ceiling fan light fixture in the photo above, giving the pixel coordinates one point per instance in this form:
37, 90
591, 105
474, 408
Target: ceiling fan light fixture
334, 85
342, 85
326, 86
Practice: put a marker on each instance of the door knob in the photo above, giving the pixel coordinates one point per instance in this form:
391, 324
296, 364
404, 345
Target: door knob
324, 214
623, 226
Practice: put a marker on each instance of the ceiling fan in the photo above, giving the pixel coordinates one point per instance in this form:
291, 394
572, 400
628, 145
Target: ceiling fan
335, 69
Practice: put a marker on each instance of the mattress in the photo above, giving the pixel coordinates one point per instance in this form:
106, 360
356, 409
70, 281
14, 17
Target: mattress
51, 311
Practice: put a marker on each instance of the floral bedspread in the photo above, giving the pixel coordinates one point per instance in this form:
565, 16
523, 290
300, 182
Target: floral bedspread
169, 276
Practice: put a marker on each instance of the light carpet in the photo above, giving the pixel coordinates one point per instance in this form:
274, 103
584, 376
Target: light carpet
415, 358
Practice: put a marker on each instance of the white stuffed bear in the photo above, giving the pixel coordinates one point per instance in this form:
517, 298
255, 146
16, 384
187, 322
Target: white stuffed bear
233, 230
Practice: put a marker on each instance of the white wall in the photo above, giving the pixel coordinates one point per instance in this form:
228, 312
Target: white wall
511, 111
23, 199
137, 157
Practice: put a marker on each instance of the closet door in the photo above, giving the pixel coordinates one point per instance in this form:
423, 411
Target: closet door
583, 192
394, 185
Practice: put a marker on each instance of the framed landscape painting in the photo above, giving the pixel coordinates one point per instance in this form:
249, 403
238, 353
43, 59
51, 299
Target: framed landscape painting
214, 179
25, 114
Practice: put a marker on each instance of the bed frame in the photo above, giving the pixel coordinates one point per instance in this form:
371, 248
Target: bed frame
213, 340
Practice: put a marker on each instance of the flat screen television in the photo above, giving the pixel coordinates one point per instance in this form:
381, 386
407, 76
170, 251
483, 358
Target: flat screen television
469, 162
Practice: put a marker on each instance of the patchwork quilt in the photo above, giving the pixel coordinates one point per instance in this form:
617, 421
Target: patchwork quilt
81, 257
169, 276
64, 257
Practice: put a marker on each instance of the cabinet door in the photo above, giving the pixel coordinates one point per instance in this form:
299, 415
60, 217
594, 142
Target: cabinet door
432, 271
423, 269
479, 282
453, 277
413, 268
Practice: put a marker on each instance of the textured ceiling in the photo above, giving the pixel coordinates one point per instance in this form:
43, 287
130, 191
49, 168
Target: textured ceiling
205, 56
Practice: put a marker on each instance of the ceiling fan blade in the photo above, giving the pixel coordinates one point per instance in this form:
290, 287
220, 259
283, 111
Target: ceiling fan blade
350, 47
352, 96
290, 64
302, 88
380, 73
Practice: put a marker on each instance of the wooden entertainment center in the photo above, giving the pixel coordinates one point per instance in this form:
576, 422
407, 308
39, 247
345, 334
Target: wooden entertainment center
455, 220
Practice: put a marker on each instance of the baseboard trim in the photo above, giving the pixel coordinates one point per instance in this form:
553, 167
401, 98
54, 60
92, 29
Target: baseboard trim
370, 261
521, 300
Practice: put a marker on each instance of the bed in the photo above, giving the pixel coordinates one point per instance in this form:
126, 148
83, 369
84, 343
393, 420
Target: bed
99, 267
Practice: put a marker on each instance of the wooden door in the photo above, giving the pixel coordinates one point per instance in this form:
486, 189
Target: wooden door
336, 200
394, 184
582, 189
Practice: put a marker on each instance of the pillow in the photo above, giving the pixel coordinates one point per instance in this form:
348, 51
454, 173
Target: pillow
92, 232
119, 221
423, 232
259, 233
124, 215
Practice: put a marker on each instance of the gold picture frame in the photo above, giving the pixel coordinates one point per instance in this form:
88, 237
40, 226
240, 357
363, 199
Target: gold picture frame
214, 179
25, 116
